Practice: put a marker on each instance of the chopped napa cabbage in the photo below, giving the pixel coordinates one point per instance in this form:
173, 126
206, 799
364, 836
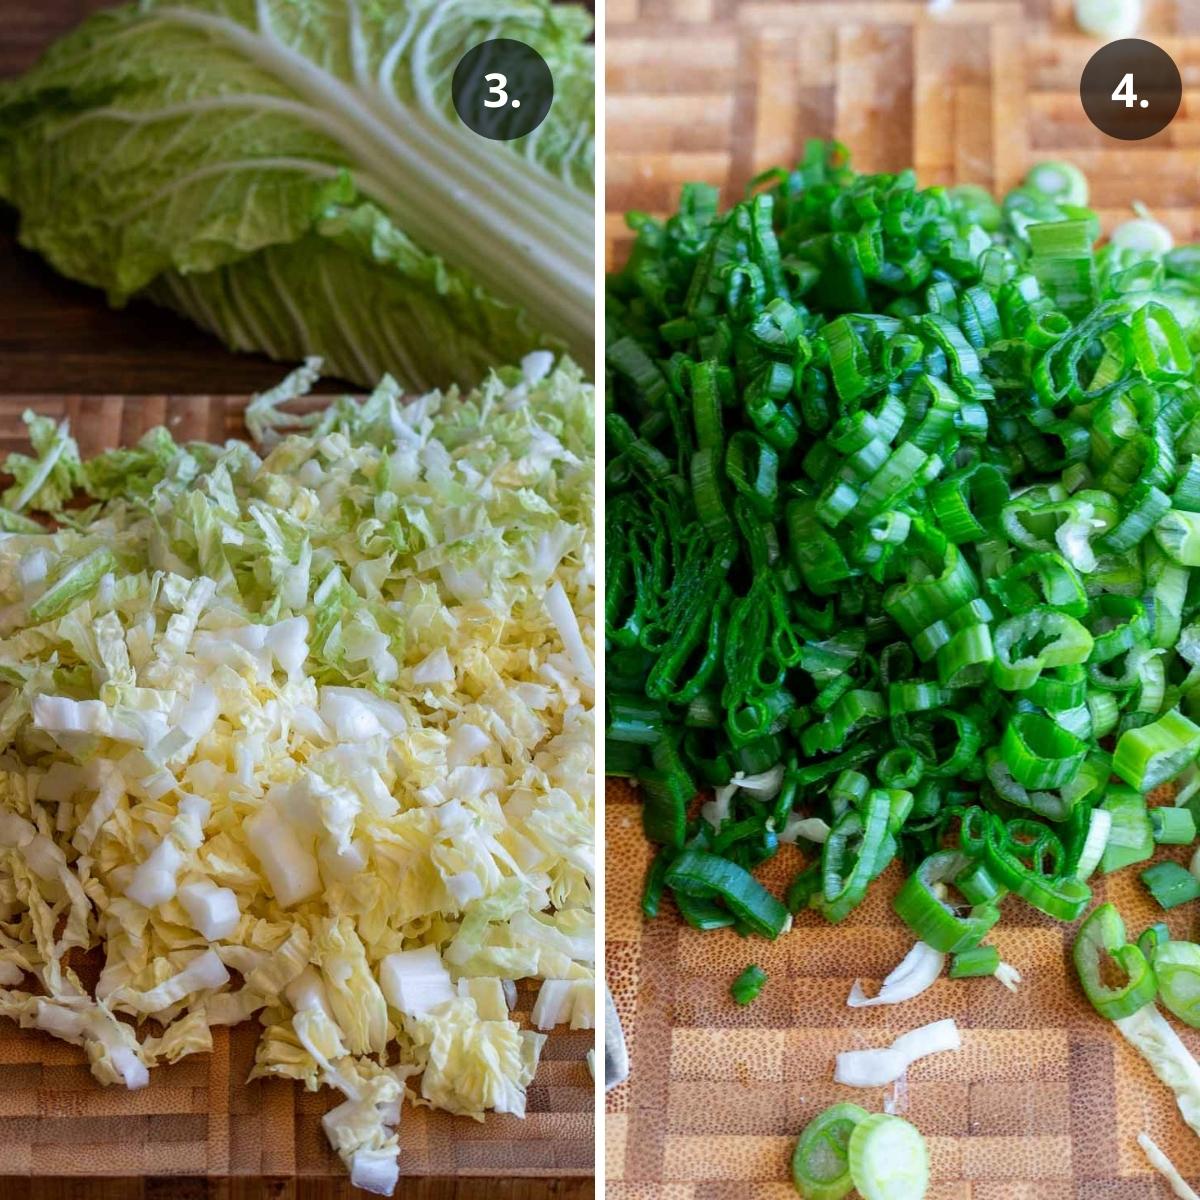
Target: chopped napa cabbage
470, 1064
489, 995
415, 981
565, 1002
304, 731
213, 911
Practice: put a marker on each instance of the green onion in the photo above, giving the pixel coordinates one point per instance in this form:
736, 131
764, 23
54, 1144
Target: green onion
1039, 752
903, 524
1109, 19
977, 962
1141, 233
1091, 849
820, 1162
746, 987
1152, 754
1151, 938
1173, 826
1131, 836
1178, 533
933, 919
1170, 884
652, 888
1062, 262
1177, 969
709, 878
1059, 181
888, 1159
1102, 937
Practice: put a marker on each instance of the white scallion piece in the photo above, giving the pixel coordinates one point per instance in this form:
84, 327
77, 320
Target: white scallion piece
1008, 975
875, 1068
918, 970
1166, 1168
1148, 1032
1109, 19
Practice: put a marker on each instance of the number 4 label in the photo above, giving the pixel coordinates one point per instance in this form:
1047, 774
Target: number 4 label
1124, 91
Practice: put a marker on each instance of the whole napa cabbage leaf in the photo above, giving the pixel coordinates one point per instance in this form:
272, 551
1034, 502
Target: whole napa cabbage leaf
291, 175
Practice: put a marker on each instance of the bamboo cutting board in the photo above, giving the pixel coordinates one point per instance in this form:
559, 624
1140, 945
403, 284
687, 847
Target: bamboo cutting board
1045, 1100
200, 1117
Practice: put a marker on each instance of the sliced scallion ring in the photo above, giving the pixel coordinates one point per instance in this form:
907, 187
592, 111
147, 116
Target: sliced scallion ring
1143, 233
1060, 181
888, 1159
820, 1164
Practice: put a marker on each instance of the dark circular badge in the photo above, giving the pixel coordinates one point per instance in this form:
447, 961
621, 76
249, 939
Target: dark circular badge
502, 89
1130, 89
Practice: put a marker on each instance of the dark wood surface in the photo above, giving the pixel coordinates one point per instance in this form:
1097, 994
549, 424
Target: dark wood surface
166, 1188
57, 336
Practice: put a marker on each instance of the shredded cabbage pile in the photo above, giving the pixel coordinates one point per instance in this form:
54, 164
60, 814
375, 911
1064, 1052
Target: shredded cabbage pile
308, 737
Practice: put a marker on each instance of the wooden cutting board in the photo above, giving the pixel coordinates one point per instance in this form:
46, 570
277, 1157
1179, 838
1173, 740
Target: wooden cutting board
1045, 1101
200, 1117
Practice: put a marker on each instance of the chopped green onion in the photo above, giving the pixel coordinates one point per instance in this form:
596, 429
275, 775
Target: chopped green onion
976, 962
707, 877
933, 919
746, 987
1102, 938
1152, 754
1170, 884
1109, 19
1178, 533
1059, 181
1172, 826
1091, 851
1063, 263
1177, 969
1151, 938
888, 1159
903, 524
1141, 233
1131, 836
820, 1162
1040, 753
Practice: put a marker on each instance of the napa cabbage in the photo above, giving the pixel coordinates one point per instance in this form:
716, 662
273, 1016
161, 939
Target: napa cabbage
303, 731
292, 176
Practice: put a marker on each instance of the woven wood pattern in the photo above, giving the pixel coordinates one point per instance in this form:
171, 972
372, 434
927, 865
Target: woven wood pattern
200, 1117
1045, 1101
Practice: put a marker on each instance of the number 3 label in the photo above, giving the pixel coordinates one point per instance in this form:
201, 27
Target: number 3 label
499, 83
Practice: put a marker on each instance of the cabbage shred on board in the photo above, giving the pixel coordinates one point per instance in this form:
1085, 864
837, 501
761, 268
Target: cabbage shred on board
307, 738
